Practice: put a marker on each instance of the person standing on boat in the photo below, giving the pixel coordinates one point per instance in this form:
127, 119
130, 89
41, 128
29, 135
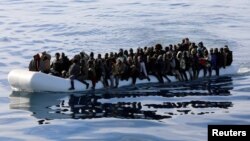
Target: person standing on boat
118, 70
74, 72
143, 70
92, 72
167, 68
188, 64
133, 70
207, 58
83, 66
194, 63
108, 71
159, 64
182, 69
229, 56
99, 68
215, 61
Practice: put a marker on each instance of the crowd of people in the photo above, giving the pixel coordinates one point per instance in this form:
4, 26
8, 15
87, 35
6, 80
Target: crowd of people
184, 60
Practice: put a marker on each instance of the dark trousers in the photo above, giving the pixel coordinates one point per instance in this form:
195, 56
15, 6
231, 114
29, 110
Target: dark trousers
73, 77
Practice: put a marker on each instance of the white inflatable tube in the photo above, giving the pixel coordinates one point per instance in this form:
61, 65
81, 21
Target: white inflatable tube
24, 80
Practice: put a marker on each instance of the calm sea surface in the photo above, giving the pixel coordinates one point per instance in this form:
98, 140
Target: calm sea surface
176, 111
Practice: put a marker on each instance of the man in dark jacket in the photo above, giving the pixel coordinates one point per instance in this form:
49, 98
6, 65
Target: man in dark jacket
56, 66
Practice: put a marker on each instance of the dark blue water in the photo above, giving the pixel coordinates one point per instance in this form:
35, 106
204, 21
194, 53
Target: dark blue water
177, 111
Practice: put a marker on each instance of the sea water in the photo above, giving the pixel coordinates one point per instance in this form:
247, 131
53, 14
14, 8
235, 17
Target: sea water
176, 111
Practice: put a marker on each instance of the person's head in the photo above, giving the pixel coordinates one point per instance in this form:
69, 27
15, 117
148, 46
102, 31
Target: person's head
106, 55
91, 55
111, 54
171, 47
200, 44
166, 49
158, 47
63, 55
183, 41
216, 50
193, 45
36, 57
44, 53
221, 50
225, 50
57, 55
211, 51
138, 51
99, 56
82, 54
115, 55
121, 50
131, 51
126, 52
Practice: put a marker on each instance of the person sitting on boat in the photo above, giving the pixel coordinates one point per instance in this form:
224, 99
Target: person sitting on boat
34, 63
56, 66
222, 58
202, 63
65, 62
131, 53
45, 62
74, 72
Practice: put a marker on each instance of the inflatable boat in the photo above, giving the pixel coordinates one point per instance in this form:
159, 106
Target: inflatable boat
27, 81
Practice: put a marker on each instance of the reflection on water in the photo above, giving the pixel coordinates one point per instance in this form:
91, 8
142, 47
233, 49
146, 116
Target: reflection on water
146, 102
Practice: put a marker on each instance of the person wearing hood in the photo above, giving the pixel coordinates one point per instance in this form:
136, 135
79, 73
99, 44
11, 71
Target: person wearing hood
35, 63
45, 62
